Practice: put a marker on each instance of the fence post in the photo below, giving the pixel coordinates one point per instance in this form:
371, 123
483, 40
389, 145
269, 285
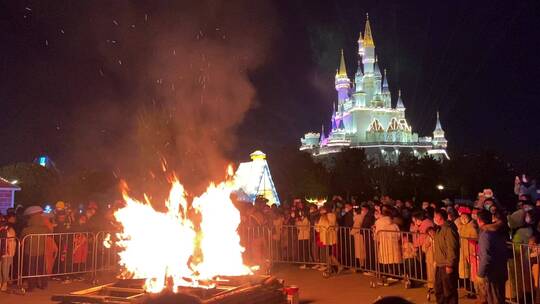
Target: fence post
94, 258
20, 263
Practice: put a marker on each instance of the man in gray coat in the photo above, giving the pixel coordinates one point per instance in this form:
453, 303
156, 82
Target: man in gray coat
446, 256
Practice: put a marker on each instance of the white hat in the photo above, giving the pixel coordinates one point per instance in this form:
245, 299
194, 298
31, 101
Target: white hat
33, 210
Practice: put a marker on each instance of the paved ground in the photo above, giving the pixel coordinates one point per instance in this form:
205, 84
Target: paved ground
345, 288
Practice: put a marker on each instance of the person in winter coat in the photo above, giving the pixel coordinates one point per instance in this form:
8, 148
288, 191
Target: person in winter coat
427, 249
302, 228
524, 186
34, 246
369, 241
346, 241
313, 217
521, 222
387, 236
80, 246
8, 247
491, 256
446, 255
326, 227
419, 226
277, 227
467, 230
359, 243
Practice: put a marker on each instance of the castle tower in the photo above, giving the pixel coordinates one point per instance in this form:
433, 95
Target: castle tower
439, 141
343, 83
360, 48
359, 76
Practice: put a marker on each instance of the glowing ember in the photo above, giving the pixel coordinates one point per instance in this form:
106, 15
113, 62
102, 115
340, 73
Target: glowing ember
166, 249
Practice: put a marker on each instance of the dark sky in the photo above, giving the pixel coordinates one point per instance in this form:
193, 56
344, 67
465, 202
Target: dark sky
82, 81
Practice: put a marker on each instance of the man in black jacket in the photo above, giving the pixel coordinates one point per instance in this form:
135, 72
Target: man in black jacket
346, 246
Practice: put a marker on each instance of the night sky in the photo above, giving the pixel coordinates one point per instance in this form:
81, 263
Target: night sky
110, 84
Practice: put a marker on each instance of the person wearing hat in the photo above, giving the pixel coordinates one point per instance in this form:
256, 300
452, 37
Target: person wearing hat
34, 247
467, 230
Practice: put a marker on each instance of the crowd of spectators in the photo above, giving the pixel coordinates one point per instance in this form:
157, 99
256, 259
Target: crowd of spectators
54, 242
446, 244
443, 243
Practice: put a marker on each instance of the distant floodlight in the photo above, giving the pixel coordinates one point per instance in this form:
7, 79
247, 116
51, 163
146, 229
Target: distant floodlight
47, 209
440, 187
14, 182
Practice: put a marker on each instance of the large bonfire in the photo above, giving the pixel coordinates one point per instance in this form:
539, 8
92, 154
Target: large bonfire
169, 250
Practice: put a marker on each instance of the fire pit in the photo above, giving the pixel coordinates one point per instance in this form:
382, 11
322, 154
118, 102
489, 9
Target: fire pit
233, 290
192, 249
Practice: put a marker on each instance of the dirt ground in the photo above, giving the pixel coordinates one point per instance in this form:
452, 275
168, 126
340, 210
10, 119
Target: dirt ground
344, 288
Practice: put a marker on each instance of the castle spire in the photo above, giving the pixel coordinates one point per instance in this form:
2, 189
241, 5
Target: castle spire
360, 47
385, 82
323, 136
342, 68
400, 105
438, 125
368, 38
376, 69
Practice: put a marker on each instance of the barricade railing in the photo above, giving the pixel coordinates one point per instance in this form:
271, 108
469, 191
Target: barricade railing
106, 252
297, 244
356, 249
398, 254
70, 255
403, 255
54, 254
522, 284
387, 254
9, 252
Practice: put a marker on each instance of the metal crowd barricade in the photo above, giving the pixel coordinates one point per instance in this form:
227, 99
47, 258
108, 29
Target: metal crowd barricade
105, 257
297, 245
402, 255
256, 242
356, 249
388, 254
54, 254
522, 284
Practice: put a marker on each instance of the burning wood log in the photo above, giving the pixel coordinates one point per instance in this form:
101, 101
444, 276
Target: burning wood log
233, 290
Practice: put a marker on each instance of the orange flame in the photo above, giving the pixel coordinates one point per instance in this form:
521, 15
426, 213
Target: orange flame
165, 247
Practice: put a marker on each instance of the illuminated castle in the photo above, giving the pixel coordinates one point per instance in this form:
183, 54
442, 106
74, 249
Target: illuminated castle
365, 117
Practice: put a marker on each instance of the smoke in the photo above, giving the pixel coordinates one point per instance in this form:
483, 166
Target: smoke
175, 84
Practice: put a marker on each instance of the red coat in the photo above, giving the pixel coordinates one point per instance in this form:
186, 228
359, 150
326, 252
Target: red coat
80, 248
